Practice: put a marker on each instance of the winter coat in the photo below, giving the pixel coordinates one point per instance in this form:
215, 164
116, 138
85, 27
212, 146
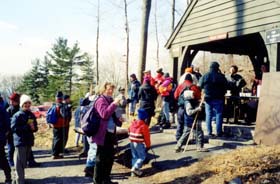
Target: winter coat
139, 132
12, 110
4, 124
63, 120
214, 84
133, 90
235, 83
166, 87
147, 96
191, 108
22, 133
105, 109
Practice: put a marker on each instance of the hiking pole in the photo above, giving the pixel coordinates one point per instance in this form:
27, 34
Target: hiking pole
194, 122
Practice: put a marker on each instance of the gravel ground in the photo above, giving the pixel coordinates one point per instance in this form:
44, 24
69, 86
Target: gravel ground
161, 158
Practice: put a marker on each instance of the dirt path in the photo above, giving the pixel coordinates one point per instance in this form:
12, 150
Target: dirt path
70, 169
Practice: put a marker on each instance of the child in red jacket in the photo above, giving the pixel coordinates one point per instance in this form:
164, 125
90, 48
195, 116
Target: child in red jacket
139, 136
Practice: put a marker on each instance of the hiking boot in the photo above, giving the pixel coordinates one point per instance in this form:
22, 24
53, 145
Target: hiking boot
57, 157
137, 172
89, 171
166, 126
212, 136
8, 181
33, 164
178, 149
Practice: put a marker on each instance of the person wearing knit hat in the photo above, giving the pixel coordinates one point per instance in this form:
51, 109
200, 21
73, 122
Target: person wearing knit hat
142, 114
23, 125
188, 70
15, 97
25, 99
133, 90
140, 142
214, 84
12, 109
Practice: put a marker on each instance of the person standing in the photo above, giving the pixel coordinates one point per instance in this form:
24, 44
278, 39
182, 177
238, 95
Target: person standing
165, 91
23, 125
133, 90
140, 142
178, 95
235, 81
4, 130
214, 85
147, 96
191, 108
12, 109
60, 128
235, 85
105, 138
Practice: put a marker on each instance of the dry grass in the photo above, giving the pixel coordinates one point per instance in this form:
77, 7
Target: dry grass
251, 164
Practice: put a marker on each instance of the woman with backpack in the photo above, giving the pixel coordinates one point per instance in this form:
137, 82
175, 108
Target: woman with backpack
105, 138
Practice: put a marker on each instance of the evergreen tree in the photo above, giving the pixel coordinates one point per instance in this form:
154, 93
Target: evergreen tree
31, 83
62, 65
87, 71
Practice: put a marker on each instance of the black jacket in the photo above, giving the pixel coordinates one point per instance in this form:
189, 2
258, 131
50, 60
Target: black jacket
214, 84
147, 96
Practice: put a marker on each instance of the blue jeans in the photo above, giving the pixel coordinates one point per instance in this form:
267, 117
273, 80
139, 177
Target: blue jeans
91, 156
180, 125
138, 152
11, 150
166, 110
132, 106
214, 107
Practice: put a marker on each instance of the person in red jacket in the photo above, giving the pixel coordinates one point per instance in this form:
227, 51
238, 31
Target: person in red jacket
139, 136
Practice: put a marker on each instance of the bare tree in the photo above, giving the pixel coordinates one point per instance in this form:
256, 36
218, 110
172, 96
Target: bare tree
144, 36
97, 42
173, 15
157, 40
127, 44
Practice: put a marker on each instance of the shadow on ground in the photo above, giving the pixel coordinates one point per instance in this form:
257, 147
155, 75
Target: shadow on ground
60, 180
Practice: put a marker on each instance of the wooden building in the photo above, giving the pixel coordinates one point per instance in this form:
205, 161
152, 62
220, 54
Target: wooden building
243, 27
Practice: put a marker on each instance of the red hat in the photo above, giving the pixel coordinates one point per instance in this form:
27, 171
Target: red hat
15, 97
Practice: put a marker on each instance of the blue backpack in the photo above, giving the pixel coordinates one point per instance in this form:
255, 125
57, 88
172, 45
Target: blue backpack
51, 115
90, 119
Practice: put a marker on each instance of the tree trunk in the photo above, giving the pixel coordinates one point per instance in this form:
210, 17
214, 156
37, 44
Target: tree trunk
97, 42
156, 28
144, 37
127, 45
173, 16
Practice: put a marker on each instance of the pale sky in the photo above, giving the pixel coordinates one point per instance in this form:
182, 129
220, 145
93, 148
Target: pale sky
28, 28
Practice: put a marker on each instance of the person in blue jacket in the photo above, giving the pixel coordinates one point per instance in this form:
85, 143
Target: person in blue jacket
4, 129
23, 125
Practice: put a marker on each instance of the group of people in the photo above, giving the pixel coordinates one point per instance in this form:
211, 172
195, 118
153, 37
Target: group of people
17, 125
184, 99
